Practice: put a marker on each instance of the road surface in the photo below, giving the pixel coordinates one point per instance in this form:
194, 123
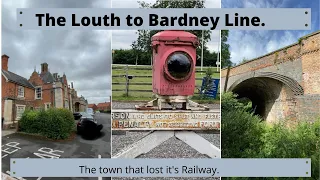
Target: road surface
23, 146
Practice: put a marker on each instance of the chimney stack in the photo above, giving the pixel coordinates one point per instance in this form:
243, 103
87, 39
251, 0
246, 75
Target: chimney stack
72, 85
55, 76
5, 62
44, 68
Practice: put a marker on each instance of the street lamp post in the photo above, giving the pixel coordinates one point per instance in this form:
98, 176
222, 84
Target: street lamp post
202, 51
218, 54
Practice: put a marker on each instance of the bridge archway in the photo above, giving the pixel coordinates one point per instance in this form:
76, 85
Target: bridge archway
268, 92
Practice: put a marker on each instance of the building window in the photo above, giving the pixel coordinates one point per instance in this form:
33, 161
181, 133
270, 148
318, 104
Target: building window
47, 106
66, 104
65, 91
38, 92
20, 110
20, 91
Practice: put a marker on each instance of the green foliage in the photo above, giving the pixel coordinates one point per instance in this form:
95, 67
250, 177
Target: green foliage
244, 135
53, 123
240, 130
230, 103
207, 86
225, 53
134, 56
244, 60
209, 58
129, 56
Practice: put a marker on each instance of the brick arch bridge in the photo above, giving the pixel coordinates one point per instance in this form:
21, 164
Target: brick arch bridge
284, 84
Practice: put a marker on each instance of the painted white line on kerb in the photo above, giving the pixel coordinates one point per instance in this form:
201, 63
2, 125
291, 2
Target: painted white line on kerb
99, 178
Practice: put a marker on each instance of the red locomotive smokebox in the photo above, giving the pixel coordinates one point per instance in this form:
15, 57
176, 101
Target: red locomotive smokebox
174, 60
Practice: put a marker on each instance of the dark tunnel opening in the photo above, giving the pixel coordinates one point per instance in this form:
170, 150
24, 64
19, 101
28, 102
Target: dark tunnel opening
261, 91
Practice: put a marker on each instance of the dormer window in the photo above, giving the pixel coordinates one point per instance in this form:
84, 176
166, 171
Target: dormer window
20, 91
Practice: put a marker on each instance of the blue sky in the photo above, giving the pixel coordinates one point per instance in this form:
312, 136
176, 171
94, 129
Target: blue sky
251, 44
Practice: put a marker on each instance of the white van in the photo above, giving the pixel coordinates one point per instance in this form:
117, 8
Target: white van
90, 111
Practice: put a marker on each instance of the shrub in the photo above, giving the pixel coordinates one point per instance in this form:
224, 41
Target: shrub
301, 141
240, 130
53, 123
28, 122
244, 135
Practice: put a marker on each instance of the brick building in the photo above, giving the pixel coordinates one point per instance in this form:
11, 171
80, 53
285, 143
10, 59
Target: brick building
104, 106
93, 106
41, 90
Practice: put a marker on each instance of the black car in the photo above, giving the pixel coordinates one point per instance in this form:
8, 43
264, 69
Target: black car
88, 126
77, 115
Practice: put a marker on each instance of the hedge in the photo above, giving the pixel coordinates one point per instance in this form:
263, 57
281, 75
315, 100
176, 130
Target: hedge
244, 135
52, 123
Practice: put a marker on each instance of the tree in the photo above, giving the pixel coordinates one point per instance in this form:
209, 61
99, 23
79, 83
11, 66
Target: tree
143, 43
225, 53
244, 60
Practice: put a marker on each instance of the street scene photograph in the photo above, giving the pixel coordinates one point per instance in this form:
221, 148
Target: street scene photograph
270, 102
56, 89
165, 92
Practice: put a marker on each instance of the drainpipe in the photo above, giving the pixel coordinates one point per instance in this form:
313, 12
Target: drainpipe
14, 113
54, 94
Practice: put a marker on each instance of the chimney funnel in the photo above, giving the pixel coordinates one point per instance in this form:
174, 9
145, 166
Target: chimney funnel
44, 68
72, 85
5, 62
55, 76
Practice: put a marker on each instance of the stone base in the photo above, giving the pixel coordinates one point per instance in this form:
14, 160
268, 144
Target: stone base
9, 125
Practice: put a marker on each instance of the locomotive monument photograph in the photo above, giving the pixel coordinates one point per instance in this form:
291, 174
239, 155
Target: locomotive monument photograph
165, 91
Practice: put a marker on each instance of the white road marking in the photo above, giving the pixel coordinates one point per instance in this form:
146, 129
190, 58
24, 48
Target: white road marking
10, 148
99, 178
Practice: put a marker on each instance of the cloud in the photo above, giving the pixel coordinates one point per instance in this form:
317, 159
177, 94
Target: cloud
84, 56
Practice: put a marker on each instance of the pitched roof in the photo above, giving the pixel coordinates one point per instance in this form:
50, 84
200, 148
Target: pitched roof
17, 79
91, 105
106, 104
47, 77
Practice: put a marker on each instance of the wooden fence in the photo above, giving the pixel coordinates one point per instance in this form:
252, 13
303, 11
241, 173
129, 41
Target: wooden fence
126, 78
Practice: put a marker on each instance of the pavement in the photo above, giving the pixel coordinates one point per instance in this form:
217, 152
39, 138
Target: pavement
172, 148
17, 145
7, 132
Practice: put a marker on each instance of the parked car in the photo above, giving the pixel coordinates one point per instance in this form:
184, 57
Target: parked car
90, 111
88, 126
76, 115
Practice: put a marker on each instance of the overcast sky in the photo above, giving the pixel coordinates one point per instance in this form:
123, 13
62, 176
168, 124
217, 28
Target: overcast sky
251, 44
84, 56
123, 39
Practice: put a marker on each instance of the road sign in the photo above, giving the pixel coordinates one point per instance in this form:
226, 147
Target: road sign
210, 88
165, 120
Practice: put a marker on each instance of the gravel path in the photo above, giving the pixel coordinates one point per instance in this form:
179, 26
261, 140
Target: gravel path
172, 148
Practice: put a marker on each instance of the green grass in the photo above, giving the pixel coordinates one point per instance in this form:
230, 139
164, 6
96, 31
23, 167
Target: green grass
143, 71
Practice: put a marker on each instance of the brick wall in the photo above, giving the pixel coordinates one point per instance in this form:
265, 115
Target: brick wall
299, 61
311, 64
